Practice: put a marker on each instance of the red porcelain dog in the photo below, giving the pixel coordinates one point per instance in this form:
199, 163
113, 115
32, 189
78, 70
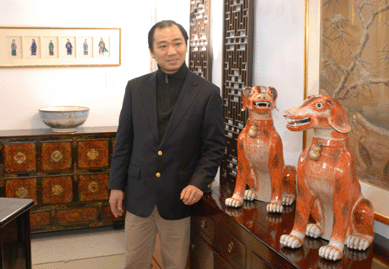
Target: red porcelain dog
327, 186
260, 156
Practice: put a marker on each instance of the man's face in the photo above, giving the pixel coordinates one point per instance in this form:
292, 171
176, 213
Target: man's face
169, 49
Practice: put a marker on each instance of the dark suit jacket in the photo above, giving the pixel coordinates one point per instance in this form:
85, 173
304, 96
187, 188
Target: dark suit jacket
153, 172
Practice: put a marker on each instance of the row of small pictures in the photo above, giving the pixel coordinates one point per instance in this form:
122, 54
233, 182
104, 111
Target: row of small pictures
57, 47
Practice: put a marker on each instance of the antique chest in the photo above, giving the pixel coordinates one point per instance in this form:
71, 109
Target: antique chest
66, 174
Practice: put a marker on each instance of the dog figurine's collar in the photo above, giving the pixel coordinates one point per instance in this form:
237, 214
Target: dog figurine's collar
329, 142
259, 122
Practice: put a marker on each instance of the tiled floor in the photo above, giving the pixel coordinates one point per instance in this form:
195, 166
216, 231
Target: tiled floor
97, 248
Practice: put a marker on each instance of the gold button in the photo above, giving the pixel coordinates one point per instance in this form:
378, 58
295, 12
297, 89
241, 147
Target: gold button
159, 152
158, 174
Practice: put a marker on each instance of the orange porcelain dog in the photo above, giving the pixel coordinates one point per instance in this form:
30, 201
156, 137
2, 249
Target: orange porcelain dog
260, 156
327, 186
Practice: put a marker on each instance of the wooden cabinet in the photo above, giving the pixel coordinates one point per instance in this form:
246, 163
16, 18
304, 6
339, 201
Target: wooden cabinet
15, 241
66, 174
248, 237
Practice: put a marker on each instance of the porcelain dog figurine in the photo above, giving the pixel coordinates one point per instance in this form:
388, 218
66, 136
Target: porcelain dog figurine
260, 156
327, 186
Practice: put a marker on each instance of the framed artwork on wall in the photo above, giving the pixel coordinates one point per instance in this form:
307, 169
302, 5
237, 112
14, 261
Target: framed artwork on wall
50, 47
347, 58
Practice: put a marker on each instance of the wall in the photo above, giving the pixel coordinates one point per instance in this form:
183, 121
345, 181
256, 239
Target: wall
279, 62
24, 90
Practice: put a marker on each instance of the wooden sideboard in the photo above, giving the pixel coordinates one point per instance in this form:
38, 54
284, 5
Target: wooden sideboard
66, 174
248, 237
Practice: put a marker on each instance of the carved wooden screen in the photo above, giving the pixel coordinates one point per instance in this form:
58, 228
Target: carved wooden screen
237, 69
200, 58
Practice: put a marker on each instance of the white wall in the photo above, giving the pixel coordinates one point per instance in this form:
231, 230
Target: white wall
279, 62
24, 90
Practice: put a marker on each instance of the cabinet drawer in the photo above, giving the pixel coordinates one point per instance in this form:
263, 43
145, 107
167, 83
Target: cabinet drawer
92, 154
78, 215
220, 263
93, 187
22, 188
19, 157
56, 156
258, 262
57, 190
201, 254
230, 248
107, 214
206, 226
40, 219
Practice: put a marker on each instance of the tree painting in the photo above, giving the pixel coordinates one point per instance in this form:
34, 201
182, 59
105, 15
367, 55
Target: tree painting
354, 69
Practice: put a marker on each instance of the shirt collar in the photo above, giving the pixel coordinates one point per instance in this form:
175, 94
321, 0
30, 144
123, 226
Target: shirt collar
175, 77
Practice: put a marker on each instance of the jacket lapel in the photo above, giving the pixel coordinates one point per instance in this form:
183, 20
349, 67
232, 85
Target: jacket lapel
185, 99
149, 101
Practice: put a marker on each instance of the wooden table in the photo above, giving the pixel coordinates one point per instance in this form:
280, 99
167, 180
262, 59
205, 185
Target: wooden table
249, 237
15, 242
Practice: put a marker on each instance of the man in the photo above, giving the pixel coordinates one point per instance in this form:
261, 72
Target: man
51, 48
33, 47
85, 46
69, 47
13, 47
169, 144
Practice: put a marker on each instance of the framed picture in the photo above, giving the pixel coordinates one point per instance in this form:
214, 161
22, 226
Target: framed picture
49, 47
346, 57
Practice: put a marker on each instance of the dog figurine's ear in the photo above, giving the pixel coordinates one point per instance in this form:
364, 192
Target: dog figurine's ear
245, 97
274, 93
338, 118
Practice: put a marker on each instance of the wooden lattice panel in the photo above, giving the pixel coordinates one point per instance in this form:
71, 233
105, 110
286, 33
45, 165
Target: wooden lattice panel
237, 74
200, 58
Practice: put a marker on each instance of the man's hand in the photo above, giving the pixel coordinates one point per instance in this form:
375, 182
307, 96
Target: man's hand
116, 202
191, 195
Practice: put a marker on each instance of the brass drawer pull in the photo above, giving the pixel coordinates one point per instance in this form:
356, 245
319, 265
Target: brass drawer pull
203, 224
231, 247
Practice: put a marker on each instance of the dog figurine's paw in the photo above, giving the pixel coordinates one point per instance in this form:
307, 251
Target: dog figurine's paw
313, 230
234, 202
234, 212
357, 242
330, 253
290, 241
287, 200
274, 208
250, 195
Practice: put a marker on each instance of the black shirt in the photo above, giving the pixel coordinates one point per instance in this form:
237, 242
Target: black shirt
168, 89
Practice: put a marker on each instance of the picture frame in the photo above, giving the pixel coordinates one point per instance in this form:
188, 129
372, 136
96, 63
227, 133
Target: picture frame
313, 76
55, 47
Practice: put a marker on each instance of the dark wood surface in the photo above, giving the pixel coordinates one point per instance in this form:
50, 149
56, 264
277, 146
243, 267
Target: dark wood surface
49, 132
258, 234
15, 240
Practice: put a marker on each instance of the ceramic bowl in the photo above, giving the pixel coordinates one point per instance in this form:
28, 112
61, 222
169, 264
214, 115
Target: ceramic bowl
64, 118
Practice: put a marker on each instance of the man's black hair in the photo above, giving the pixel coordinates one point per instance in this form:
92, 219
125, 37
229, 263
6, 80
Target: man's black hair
166, 24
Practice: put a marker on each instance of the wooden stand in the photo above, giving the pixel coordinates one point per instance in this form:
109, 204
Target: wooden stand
15, 242
249, 237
